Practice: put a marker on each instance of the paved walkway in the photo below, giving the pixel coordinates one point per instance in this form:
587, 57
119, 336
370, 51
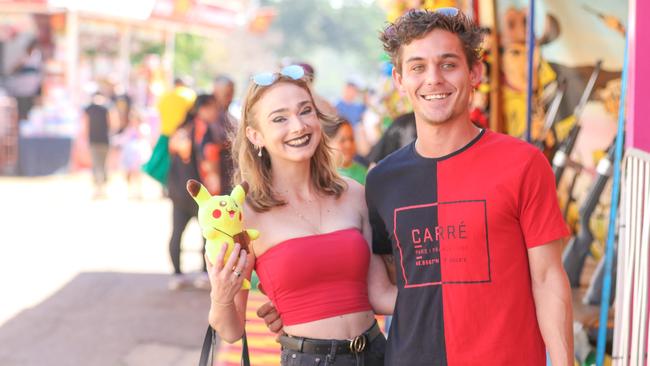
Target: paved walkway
84, 282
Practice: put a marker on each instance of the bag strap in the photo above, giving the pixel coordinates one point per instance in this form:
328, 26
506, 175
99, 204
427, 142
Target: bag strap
245, 358
209, 343
207, 346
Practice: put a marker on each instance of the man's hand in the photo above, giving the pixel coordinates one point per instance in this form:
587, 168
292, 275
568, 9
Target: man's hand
271, 317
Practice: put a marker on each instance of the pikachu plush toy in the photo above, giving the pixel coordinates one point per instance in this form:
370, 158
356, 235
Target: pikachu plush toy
221, 220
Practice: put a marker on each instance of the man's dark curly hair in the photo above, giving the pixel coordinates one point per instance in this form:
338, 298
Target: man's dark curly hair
416, 24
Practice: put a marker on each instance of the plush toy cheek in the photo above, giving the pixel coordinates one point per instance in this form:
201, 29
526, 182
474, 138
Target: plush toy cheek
216, 214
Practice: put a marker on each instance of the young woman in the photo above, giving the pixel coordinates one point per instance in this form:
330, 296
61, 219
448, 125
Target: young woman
313, 256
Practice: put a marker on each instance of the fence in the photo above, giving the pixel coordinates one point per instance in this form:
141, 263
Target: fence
631, 342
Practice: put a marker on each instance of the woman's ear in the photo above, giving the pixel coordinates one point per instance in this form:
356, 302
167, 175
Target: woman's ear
254, 136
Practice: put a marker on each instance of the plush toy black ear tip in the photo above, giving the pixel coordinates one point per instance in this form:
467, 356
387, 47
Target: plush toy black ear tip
245, 185
193, 187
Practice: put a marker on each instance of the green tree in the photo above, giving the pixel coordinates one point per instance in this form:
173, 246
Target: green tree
316, 31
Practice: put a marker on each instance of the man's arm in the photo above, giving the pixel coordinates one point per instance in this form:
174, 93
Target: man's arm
552, 296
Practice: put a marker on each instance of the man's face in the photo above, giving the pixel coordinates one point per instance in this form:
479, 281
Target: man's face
224, 93
436, 78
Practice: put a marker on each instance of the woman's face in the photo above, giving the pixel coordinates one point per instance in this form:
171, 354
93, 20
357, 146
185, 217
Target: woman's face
208, 112
287, 124
344, 143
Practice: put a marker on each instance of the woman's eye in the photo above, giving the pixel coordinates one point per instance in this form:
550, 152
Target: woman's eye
279, 119
307, 110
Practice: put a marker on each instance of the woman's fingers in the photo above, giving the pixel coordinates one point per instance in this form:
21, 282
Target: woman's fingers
219, 260
241, 263
208, 264
232, 260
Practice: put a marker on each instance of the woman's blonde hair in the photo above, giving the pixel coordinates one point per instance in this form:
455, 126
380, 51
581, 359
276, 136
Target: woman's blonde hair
256, 170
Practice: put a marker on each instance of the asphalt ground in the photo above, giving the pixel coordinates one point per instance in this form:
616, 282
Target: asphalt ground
83, 281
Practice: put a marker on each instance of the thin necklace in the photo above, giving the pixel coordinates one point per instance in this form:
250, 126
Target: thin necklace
315, 228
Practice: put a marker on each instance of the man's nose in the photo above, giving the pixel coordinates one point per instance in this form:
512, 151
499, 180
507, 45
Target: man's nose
433, 75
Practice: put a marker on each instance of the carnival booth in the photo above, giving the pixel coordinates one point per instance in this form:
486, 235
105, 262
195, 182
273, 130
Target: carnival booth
56, 53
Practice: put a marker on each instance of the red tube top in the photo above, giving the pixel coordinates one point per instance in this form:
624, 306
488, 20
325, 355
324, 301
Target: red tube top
317, 276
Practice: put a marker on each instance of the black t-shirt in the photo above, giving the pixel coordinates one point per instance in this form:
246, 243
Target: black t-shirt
97, 123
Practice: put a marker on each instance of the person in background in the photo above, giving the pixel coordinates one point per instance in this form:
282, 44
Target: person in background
342, 137
27, 78
172, 108
323, 105
135, 150
194, 155
350, 106
399, 134
98, 120
223, 90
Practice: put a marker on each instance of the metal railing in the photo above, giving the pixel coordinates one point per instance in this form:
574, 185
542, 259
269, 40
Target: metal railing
631, 342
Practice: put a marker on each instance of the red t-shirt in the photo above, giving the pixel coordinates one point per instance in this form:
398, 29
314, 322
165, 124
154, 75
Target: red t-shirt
459, 228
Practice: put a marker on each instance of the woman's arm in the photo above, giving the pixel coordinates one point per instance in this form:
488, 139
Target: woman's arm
227, 300
381, 292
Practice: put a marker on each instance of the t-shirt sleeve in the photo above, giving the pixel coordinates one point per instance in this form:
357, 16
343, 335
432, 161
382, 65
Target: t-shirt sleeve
539, 214
380, 240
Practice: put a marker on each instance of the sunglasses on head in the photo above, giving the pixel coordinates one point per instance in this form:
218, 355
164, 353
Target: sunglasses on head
450, 12
294, 72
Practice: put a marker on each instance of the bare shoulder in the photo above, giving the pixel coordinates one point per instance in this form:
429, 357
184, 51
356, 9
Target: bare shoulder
354, 195
355, 190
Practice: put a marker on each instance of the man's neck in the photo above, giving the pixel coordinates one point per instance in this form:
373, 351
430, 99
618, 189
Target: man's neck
435, 141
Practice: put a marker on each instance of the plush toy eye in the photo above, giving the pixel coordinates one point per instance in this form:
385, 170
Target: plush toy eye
216, 214
223, 203
240, 216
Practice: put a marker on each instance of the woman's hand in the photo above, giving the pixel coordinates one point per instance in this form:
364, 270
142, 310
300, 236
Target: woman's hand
226, 279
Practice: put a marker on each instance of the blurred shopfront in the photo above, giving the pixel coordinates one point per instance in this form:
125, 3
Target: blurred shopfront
80, 47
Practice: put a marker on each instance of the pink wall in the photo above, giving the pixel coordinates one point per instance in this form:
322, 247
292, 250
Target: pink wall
638, 93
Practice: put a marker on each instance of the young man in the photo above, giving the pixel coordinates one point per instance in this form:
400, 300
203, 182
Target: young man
469, 217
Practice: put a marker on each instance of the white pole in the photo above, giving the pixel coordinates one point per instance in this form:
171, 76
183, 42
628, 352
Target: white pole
622, 291
643, 268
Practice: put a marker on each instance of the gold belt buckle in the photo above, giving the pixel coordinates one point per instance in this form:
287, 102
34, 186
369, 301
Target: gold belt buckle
358, 344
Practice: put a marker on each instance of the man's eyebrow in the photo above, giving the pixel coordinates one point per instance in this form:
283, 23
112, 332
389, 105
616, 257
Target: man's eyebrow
442, 56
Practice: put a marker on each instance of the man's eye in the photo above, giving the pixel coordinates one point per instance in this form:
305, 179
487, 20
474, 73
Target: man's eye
448, 66
417, 68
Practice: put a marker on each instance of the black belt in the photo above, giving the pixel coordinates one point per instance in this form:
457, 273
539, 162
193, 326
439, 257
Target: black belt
319, 346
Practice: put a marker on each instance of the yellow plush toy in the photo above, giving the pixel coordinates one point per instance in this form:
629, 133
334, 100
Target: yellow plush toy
221, 220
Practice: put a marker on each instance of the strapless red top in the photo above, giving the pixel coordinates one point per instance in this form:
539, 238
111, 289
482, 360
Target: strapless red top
317, 277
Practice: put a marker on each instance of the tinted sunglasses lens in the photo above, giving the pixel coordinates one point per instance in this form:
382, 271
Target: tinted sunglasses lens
264, 78
450, 12
293, 71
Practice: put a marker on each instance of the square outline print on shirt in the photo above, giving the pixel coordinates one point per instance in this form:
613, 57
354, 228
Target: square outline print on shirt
443, 243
